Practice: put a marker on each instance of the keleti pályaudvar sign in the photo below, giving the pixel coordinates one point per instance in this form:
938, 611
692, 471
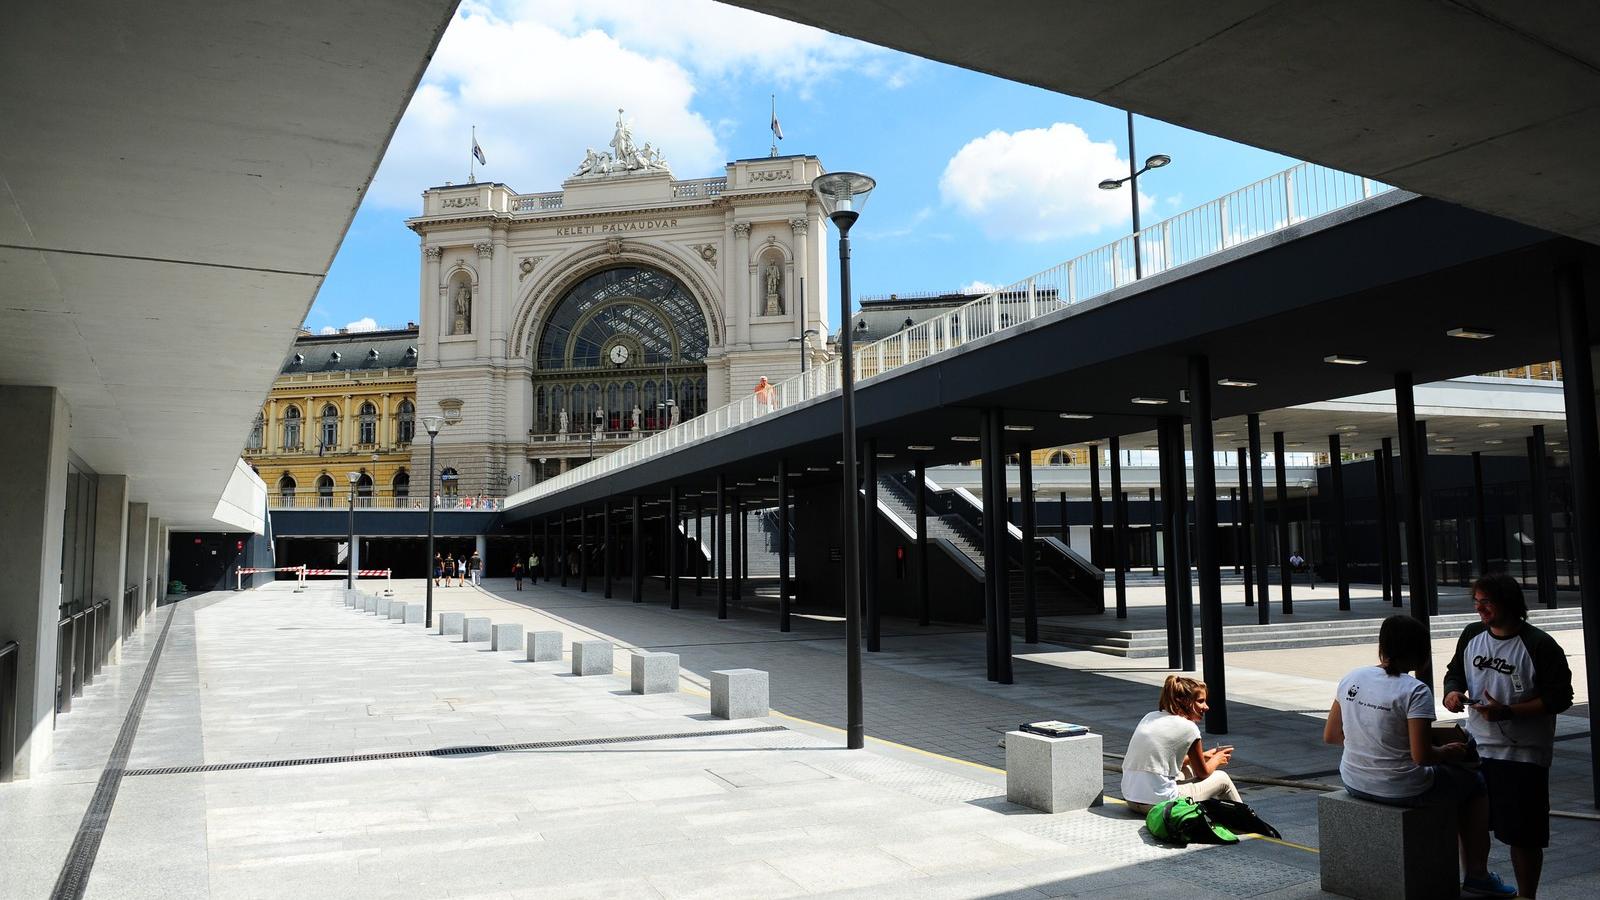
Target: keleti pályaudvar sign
616, 227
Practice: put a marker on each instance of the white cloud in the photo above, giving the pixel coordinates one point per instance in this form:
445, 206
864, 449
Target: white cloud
979, 288
543, 79
365, 323
1039, 184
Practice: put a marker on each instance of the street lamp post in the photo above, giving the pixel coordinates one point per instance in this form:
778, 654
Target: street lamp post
804, 346
350, 548
431, 423
1111, 184
843, 194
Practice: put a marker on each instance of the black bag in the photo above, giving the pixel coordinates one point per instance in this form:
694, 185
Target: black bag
1237, 817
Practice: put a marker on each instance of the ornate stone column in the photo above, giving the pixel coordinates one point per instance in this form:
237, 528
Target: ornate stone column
347, 436
432, 294
483, 298
797, 275
269, 416
388, 432
740, 297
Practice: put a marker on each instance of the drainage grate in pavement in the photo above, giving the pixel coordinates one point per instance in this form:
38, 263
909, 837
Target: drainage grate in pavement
445, 752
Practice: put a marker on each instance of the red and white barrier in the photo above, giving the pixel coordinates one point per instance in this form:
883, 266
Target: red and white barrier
360, 573
239, 573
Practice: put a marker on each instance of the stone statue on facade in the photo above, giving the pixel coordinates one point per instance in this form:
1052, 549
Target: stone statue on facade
562, 423
624, 157
774, 305
638, 417
672, 415
463, 308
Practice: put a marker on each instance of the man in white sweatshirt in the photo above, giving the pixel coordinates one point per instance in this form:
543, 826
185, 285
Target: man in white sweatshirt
1512, 679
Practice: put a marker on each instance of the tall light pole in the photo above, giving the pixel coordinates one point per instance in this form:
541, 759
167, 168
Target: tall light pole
843, 194
1111, 184
804, 346
431, 424
350, 548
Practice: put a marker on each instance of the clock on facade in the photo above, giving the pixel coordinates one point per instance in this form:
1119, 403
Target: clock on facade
619, 354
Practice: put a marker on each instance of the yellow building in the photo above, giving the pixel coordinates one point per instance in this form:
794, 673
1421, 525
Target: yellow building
342, 403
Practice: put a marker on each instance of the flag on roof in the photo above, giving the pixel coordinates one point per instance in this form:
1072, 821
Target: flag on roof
477, 153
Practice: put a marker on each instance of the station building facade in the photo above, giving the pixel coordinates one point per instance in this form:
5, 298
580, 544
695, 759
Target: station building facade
560, 326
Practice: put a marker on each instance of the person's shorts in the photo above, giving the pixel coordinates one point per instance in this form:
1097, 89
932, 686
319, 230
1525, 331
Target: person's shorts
1519, 802
1452, 785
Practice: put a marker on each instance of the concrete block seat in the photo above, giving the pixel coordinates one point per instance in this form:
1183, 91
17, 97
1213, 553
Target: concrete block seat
397, 611
654, 673
380, 605
477, 628
414, 613
591, 657
739, 694
369, 604
451, 623
1054, 774
1373, 851
506, 637
544, 646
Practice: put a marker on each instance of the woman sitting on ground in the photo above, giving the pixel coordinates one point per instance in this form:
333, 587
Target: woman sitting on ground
1165, 759
1383, 717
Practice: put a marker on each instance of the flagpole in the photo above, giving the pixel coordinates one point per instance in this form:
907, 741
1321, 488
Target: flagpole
774, 98
472, 158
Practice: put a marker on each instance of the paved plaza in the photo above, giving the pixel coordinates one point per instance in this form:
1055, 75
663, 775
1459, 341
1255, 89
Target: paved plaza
560, 786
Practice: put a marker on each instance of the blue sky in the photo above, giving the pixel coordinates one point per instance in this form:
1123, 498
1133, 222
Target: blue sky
981, 180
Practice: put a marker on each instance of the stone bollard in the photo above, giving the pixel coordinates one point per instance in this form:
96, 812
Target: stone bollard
544, 646
1054, 774
654, 673
397, 611
477, 629
414, 613
506, 637
739, 694
352, 598
591, 657
449, 622
369, 604
380, 605
1376, 852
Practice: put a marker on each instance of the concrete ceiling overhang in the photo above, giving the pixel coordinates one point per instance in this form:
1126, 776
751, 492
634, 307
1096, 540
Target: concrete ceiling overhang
1492, 105
175, 179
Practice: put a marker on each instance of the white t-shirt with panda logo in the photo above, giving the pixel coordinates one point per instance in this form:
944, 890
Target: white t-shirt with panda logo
1376, 709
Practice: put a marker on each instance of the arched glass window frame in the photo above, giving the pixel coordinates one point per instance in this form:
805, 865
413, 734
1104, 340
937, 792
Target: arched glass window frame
324, 489
328, 426
640, 305
257, 433
286, 489
406, 421
449, 487
292, 420
400, 485
369, 423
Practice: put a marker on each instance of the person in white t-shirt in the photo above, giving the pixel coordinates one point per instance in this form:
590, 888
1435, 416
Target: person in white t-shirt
1165, 758
1383, 717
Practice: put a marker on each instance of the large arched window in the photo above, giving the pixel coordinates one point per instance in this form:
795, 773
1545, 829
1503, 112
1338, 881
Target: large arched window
645, 310
369, 423
256, 429
448, 478
406, 420
291, 428
401, 486
1060, 458
286, 488
325, 490
330, 426
364, 490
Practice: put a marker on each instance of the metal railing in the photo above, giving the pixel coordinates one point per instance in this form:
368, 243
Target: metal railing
130, 609
9, 653
82, 644
1547, 371
446, 503
1266, 207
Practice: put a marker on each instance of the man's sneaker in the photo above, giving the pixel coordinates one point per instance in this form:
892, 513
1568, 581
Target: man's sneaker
1488, 886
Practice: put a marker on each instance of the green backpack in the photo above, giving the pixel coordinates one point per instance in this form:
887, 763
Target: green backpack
1182, 821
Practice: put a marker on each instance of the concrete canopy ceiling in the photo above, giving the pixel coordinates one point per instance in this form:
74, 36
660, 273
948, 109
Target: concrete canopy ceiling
1492, 105
175, 180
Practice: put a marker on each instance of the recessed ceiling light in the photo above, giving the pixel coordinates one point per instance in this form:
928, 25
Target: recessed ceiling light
816, 468
1235, 382
1348, 427
1445, 440
1340, 359
1297, 443
1150, 446
1488, 424
1552, 443
1019, 427
1494, 441
1444, 449
747, 484
1471, 334
885, 456
964, 438
1223, 434
1076, 416
919, 447
1150, 401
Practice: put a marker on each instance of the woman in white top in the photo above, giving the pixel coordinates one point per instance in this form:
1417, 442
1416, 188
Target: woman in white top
1383, 717
1165, 759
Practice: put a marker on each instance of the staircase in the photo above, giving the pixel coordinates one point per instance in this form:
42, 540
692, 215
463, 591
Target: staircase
760, 533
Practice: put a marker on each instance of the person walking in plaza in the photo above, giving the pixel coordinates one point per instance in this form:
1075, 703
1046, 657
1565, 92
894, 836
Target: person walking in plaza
475, 569
533, 566
516, 570
438, 568
1166, 759
461, 571
1513, 680
1383, 717
449, 568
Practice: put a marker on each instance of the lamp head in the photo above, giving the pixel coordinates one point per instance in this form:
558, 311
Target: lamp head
354, 477
431, 424
1110, 184
1157, 161
843, 194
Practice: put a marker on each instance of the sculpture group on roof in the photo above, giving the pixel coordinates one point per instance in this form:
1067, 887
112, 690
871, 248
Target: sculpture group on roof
623, 157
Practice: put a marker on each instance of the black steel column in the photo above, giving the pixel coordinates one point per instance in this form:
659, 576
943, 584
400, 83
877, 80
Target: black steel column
583, 549
1169, 548
1184, 549
783, 545
1002, 541
1154, 511
1411, 464
1583, 439
562, 561
1119, 529
1380, 481
699, 542
922, 543
1480, 523
609, 539
744, 549
719, 538
1096, 515
869, 541
637, 570
1066, 525
1030, 599
738, 537
1285, 573
1258, 523
545, 556
1396, 556
1247, 563
1340, 543
991, 560
1205, 543
1544, 549
1233, 512
1429, 579
674, 546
